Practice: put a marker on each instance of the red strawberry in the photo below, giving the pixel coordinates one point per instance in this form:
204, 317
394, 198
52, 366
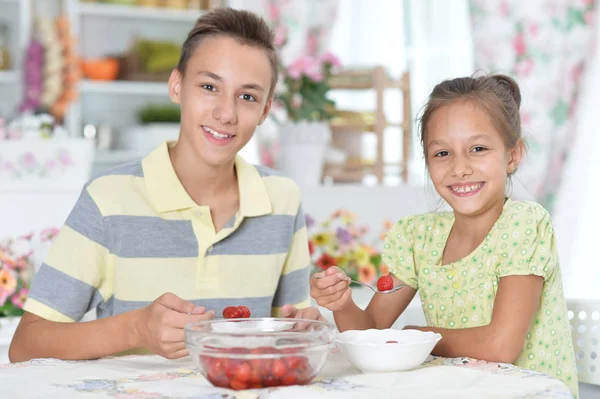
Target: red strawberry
385, 283
391, 342
245, 311
232, 312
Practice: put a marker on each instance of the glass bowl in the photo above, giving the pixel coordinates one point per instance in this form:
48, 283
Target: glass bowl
259, 352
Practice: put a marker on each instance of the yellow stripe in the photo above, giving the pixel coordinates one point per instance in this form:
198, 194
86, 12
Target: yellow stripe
123, 195
284, 193
78, 256
221, 276
46, 312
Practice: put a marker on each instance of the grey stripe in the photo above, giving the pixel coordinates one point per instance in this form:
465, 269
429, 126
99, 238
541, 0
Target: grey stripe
263, 171
230, 223
259, 307
86, 219
300, 220
106, 308
63, 293
261, 235
132, 168
293, 287
151, 237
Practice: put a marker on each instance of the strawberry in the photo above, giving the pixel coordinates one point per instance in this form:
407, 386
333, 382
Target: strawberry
245, 311
232, 312
385, 283
391, 342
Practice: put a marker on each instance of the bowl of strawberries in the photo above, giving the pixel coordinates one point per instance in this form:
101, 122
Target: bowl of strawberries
253, 353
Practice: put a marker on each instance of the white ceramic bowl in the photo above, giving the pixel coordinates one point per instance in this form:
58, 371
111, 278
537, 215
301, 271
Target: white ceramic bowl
370, 352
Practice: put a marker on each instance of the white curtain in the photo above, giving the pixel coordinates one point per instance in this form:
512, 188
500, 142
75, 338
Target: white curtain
576, 213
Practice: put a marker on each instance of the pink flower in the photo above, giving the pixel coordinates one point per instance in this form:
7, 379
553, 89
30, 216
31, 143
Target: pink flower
19, 299
576, 72
8, 282
3, 297
504, 9
519, 44
296, 69
533, 29
588, 17
273, 11
28, 160
8, 167
64, 158
524, 67
329, 58
49, 233
280, 36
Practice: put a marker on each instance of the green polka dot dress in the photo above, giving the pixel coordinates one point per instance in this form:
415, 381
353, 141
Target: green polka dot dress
461, 294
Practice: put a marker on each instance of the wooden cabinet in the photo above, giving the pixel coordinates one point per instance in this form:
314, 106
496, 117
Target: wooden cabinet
374, 121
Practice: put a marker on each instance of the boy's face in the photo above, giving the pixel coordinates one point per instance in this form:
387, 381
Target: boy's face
467, 158
223, 97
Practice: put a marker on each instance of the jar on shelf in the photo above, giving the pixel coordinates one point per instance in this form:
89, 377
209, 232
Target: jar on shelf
4, 54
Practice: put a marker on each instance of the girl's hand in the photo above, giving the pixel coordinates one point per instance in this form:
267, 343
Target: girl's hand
331, 288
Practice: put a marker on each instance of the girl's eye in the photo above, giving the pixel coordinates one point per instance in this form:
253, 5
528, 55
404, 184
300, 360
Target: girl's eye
247, 97
442, 154
209, 87
478, 149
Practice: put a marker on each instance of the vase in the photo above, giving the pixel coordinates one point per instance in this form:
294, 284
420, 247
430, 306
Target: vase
302, 147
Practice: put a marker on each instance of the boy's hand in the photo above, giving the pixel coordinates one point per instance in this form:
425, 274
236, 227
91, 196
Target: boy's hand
159, 326
309, 313
331, 288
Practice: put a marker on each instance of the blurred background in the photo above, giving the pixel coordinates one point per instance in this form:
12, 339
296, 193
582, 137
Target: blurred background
83, 87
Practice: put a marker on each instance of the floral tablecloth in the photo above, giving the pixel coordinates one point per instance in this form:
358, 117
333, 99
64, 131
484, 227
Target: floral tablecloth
154, 377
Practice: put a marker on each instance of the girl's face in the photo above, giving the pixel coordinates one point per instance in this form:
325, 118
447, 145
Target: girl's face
467, 158
224, 95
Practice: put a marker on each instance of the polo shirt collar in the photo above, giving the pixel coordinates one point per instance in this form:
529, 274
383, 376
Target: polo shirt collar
168, 194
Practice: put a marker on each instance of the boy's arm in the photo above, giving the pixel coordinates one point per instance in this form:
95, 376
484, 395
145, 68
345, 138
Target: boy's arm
293, 288
502, 340
157, 327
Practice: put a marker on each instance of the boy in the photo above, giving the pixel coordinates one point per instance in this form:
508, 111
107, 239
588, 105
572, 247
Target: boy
175, 238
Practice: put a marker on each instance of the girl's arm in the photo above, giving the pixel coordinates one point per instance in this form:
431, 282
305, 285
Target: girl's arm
382, 311
502, 340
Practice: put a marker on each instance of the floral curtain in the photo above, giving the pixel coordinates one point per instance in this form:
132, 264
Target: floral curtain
303, 25
545, 44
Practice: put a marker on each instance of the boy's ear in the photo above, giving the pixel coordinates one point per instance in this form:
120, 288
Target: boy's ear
175, 86
265, 111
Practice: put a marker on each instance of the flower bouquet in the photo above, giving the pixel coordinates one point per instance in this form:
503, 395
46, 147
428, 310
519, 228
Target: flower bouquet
340, 241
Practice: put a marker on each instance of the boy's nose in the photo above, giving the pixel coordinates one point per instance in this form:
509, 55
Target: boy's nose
225, 112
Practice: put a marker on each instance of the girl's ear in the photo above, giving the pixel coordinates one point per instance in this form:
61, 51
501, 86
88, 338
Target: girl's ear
515, 156
175, 86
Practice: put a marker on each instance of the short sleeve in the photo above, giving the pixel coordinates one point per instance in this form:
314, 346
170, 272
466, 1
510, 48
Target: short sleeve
529, 244
70, 281
398, 251
293, 287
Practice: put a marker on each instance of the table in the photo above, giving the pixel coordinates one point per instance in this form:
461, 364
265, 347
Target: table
130, 377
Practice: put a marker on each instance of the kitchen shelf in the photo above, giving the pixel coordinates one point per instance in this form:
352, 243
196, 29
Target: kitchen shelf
121, 87
9, 76
137, 12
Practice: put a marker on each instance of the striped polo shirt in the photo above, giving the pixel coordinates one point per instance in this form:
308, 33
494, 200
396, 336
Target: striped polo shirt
135, 234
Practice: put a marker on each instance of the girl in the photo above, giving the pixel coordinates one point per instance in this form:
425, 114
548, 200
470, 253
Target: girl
488, 272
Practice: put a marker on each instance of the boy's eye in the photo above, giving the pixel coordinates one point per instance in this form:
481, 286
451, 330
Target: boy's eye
478, 149
442, 154
247, 97
209, 87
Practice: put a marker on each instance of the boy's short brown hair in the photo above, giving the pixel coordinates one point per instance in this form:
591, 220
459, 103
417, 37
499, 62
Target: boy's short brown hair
244, 26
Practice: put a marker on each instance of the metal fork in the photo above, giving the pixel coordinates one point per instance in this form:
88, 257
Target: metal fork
375, 290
